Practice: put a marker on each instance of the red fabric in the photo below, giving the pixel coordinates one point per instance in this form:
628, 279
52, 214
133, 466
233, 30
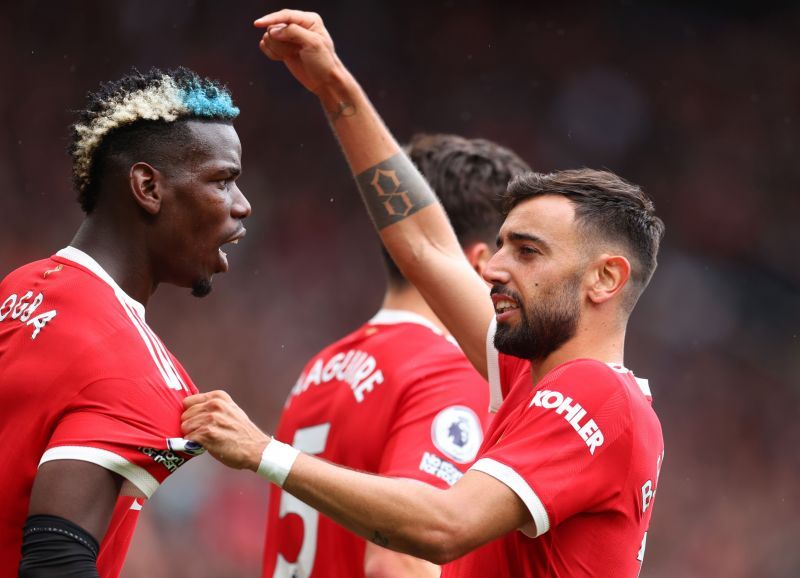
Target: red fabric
592, 492
388, 432
85, 379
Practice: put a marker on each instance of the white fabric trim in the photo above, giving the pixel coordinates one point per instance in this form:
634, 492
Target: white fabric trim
644, 385
84, 260
493, 369
136, 475
519, 486
395, 316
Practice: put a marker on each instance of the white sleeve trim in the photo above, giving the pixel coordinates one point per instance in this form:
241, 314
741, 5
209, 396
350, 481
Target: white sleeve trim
501, 472
136, 475
493, 369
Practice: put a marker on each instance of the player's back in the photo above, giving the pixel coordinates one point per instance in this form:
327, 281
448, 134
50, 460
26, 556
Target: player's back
396, 398
73, 385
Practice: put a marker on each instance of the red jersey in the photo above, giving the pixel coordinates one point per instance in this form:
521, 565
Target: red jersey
582, 449
82, 377
396, 398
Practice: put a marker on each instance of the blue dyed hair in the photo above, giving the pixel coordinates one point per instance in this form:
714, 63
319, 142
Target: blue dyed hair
134, 113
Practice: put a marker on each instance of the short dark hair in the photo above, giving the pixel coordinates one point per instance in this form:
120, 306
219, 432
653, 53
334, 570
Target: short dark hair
140, 114
606, 207
469, 176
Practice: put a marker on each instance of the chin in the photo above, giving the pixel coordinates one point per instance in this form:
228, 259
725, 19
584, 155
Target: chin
201, 287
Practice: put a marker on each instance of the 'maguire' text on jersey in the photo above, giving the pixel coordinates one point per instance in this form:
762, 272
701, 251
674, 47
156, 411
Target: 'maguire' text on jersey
82, 377
396, 398
582, 449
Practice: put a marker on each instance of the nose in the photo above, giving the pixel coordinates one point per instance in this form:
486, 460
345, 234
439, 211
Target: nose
241, 206
495, 273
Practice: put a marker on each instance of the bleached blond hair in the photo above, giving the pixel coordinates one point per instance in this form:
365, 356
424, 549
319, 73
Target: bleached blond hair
160, 96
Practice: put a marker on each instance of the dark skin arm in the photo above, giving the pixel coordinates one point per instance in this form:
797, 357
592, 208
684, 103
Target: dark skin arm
81, 492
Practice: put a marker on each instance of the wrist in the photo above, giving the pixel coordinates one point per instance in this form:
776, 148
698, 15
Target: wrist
276, 462
340, 90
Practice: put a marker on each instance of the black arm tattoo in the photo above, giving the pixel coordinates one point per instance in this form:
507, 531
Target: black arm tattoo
380, 539
394, 190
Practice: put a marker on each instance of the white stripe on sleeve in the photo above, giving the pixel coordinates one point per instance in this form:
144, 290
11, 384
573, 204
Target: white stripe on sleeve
136, 475
519, 486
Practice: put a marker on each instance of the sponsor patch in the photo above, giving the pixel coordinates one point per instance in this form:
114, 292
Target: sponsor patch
442, 469
457, 433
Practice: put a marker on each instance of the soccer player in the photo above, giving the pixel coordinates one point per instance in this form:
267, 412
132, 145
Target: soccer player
565, 480
89, 395
396, 397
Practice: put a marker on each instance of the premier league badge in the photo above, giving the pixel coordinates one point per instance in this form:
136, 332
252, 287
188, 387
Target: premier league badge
456, 432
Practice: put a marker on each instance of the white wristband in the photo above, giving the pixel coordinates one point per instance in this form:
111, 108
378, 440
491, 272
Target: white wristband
276, 461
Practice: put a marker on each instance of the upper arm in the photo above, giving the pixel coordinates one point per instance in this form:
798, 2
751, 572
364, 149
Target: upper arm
425, 248
483, 509
81, 492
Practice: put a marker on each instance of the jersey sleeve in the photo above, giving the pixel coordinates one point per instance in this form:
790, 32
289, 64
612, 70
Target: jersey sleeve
123, 426
438, 422
562, 453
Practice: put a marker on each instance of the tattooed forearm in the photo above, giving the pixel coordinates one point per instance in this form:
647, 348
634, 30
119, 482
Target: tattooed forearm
394, 190
342, 109
380, 539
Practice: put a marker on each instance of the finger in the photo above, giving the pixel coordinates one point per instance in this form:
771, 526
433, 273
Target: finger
196, 399
276, 50
297, 35
287, 16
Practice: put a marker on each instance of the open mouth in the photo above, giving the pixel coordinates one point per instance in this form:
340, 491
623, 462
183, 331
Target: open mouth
233, 240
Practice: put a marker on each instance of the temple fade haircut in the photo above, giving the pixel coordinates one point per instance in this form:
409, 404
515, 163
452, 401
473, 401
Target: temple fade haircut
610, 212
138, 118
469, 176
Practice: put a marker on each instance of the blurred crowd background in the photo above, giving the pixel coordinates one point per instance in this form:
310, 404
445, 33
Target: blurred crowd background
698, 104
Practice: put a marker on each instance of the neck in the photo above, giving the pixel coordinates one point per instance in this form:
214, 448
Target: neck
115, 249
407, 298
604, 342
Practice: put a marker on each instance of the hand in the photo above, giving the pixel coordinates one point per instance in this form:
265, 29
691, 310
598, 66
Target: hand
300, 40
218, 424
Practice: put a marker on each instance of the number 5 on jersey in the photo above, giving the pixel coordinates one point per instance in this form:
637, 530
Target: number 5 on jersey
310, 440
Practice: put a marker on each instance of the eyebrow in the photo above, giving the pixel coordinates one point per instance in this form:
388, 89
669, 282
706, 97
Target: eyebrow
515, 236
230, 170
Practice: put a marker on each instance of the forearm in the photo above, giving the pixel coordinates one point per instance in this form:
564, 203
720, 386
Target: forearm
406, 213
382, 563
385, 511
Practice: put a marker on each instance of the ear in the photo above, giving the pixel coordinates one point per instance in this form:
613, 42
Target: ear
608, 278
146, 184
478, 255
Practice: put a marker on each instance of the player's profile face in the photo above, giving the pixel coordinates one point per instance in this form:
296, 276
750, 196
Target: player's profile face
536, 278
203, 208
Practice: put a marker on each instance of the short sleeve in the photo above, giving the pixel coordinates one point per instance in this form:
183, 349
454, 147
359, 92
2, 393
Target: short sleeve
122, 426
438, 423
562, 453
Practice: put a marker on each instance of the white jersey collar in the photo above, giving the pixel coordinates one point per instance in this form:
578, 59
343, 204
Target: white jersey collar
85, 261
395, 316
643, 384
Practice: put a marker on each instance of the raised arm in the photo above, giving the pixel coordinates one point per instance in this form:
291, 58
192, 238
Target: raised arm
412, 224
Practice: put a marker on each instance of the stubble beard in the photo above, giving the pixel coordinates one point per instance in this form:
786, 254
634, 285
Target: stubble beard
549, 322
201, 288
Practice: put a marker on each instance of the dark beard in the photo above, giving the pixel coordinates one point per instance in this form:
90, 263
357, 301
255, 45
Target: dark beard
201, 287
546, 325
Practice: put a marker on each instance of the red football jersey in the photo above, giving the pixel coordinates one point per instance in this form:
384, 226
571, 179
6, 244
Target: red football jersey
82, 377
583, 450
396, 398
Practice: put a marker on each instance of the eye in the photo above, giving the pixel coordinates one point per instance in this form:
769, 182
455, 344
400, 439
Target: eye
222, 184
529, 251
